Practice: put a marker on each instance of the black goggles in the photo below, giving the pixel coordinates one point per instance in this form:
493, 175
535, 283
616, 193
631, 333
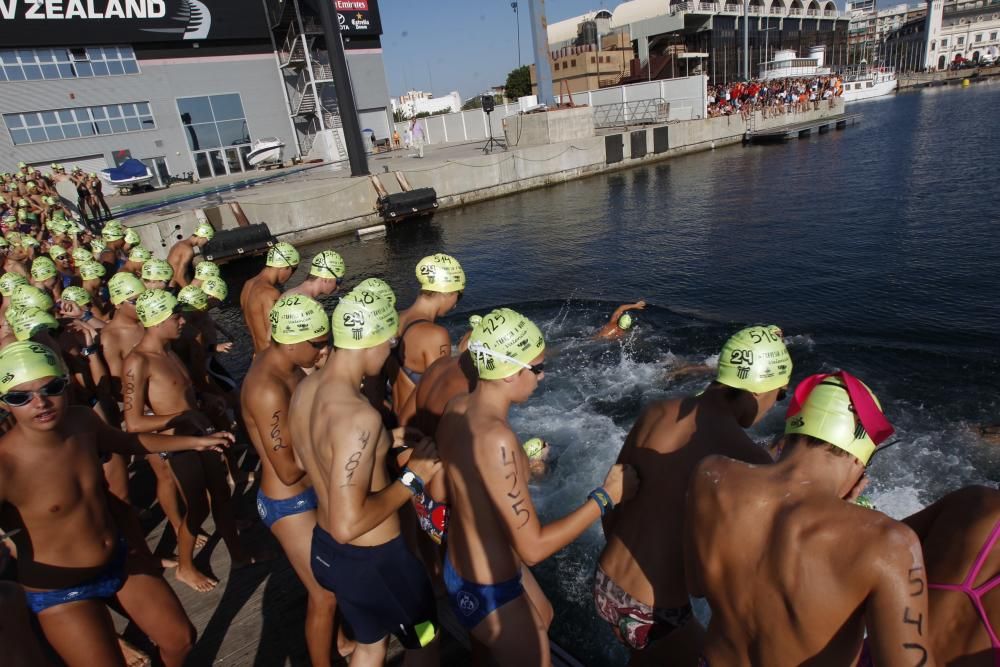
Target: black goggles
16, 399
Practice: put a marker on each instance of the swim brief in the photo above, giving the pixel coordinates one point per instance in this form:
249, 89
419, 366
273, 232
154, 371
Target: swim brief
103, 586
380, 590
635, 623
271, 511
473, 602
432, 516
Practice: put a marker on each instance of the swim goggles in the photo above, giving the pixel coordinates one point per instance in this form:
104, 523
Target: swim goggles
17, 399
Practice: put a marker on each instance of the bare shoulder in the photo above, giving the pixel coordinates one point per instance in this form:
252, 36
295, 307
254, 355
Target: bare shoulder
263, 392
135, 361
495, 437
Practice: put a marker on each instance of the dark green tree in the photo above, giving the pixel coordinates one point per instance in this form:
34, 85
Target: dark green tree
519, 83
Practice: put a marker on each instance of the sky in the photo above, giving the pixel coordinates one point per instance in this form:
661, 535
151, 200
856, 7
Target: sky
466, 45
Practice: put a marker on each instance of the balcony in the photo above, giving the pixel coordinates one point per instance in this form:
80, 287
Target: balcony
708, 7
679, 7
812, 12
732, 8
829, 12
795, 12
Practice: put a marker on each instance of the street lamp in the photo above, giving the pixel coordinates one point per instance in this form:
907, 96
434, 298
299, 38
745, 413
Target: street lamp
517, 22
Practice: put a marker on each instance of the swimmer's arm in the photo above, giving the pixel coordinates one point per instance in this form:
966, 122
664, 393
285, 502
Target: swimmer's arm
506, 480
354, 509
624, 456
179, 265
896, 610
436, 344
269, 409
135, 385
111, 439
409, 410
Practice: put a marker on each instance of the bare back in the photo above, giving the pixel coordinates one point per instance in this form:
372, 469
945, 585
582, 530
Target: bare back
256, 301
180, 257
118, 339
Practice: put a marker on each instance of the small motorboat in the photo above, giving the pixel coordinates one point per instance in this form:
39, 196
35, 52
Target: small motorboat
131, 176
265, 151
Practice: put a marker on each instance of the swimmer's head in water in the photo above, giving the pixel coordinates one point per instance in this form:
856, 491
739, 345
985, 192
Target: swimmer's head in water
363, 320
282, 256
10, 282
77, 295
31, 296
24, 362
328, 264
378, 287
625, 322
139, 255
205, 231
841, 410
504, 343
155, 270
82, 255
206, 270
535, 448
440, 273
26, 321
193, 298
43, 268
92, 270
756, 360
215, 288
296, 319
124, 287
155, 306
113, 231
132, 237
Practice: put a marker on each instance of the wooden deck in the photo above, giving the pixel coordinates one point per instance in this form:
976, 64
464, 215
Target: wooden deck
804, 129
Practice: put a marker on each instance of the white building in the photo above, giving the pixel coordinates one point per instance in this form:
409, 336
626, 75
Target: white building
968, 30
416, 102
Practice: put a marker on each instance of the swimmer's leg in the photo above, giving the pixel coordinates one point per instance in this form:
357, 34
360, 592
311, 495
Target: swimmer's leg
21, 649
222, 507
370, 655
166, 491
154, 607
82, 634
514, 636
536, 597
190, 476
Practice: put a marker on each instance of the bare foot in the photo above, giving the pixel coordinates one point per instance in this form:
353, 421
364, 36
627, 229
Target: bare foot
200, 541
167, 563
196, 580
133, 656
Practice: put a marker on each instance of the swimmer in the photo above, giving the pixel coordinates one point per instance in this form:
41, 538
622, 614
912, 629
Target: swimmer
989, 433
494, 529
621, 321
639, 587
261, 292
204, 270
959, 535
71, 557
421, 341
326, 273
286, 501
538, 452
137, 256
156, 274
794, 571
182, 253
357, 550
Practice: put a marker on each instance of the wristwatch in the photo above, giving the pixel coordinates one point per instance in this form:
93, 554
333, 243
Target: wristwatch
412, 481
89, 350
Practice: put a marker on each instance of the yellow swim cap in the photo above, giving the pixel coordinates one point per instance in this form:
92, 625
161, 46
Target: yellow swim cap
625, 322
81, 255
139, 254
440, 273
25, 362
296, 319
363, 320
57, 251
13, 237
206, 270
77, 295
193, 298
113, 231
504, 343
826, 408
378, 287
132, 237
155, 306
123, 287
92, 270
157, 269
26, 321
11, 281
215, 288
328, 264
756, 360
28, 241
533, 448
4, 243
205, 231
282, 255
43, 268
98, 246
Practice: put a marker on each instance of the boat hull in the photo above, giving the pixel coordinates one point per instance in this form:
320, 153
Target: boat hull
264, 154
865, 93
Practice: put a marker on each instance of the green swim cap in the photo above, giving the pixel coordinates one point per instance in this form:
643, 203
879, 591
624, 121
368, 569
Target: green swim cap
534, 447
57, 252
22, 203
82, 255
11, 281
98, 246
282, 255
625, 322
4, 243
25, 362
864, 501
25, 322
155, 306
10, 220
123, 287
756, 360
504, 343
77, 295
43, 268
216, 288
113, 231
363, 320
378, 287
206, 270
28, 241
29, 296
139, 254
193, 298
205, 231
13, 237
328, 264
157, 269
296, 318
32, 185
92, 270
474, 321
440, 273
132, 237
829, 414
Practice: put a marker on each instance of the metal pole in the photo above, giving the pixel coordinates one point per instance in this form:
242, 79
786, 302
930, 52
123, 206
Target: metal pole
345, 92
746, 39
517, 22
540, 49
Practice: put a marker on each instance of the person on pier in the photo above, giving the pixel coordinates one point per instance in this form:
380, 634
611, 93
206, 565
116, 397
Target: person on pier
182, 253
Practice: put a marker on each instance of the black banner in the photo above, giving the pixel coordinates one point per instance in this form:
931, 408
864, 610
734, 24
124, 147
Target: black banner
28, 23
357, 17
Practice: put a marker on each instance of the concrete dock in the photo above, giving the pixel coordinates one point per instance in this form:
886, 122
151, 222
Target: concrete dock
802, 129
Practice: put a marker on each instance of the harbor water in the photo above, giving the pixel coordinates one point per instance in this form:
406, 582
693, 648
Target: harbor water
874, 248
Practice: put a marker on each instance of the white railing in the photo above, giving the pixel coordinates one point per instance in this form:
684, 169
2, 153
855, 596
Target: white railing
679, 7
795, 12
708, 7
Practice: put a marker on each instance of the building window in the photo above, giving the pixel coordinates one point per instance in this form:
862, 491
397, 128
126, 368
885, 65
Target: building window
979, 38
592, 60
961, 41
49, 64
216, 121
944, 42
572, 63
80, 122
556, 67
993, 37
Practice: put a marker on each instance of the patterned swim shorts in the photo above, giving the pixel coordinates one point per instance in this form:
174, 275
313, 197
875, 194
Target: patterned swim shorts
635, 623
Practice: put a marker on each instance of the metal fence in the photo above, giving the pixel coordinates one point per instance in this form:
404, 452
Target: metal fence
640, 112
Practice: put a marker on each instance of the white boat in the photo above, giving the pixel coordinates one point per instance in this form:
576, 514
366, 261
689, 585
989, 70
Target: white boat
787, 65
131, 176
264, 151
864, 83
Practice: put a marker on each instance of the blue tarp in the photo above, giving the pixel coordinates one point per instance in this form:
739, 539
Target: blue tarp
128, 171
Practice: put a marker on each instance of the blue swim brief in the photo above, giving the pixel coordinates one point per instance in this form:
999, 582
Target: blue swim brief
271, 511
472, 602
103, 586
